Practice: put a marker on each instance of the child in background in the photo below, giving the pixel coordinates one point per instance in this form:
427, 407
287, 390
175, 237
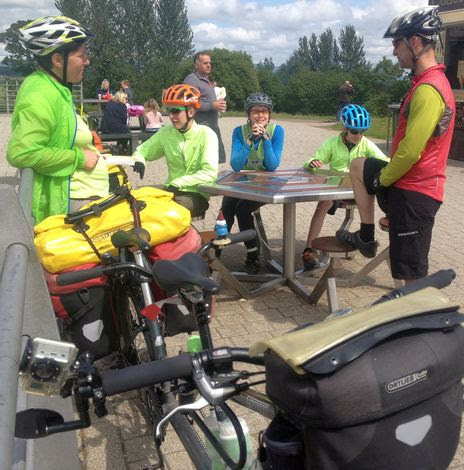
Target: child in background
152, 116
338, 152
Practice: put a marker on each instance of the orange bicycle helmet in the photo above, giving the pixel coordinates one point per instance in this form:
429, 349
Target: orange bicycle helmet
181, 95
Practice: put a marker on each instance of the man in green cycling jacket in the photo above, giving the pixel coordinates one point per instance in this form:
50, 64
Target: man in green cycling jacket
410, 188
190, 149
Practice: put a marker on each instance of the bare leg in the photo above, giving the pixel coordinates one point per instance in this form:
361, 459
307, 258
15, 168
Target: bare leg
317, 221
364, 201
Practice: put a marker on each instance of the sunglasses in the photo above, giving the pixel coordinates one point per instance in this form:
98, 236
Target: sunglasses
176, 110
354, 132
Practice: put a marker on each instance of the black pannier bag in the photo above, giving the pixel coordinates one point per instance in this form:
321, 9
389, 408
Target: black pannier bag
388, 398
281, 445
84, 312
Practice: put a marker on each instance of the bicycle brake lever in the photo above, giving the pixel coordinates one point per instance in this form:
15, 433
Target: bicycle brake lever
196, 405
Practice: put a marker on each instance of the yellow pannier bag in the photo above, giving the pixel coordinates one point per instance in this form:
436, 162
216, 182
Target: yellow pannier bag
60, 246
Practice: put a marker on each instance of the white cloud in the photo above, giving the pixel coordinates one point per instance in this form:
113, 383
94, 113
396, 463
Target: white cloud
259, 28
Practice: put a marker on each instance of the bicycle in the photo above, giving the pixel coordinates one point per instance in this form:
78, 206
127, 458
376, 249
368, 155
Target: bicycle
209, 371
141, 324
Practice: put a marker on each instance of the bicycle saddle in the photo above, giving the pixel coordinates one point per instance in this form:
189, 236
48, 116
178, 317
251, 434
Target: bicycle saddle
188, 271
136, 236
327, 346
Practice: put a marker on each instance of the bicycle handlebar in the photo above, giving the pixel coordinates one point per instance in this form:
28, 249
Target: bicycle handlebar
439, 280
143, 375
96, 209
65, 279
171, 368
79, 276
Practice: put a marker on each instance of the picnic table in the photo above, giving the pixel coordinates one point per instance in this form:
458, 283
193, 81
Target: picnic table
286, 187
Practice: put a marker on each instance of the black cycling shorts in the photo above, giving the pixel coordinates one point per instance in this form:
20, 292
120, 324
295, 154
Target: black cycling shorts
372, 169
411, 216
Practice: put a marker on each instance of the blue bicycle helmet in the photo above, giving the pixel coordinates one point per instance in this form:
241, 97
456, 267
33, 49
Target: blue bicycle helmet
355, 117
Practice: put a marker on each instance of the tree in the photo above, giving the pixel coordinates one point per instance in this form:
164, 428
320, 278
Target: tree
379, 86
311, 92
351, 49
328, 51
235, 71
286, 71
266, 64
135, 34
314, 54
123, 46
172, 33
271, 84
19, 58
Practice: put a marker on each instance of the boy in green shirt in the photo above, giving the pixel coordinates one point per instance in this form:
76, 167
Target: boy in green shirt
338, 152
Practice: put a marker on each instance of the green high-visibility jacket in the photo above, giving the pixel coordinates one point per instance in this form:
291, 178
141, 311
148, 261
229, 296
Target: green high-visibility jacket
335, 153
43, 131
191, 157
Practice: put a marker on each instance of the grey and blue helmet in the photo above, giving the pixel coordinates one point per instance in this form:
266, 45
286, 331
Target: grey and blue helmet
258, 99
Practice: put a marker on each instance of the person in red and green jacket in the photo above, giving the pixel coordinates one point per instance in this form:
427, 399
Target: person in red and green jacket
409, 188
44, 122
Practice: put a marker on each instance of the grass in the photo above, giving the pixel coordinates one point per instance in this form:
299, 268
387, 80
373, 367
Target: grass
377, 130
286, 116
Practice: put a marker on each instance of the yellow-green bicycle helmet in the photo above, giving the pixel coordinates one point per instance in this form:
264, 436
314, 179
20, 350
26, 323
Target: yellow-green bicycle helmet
50, 33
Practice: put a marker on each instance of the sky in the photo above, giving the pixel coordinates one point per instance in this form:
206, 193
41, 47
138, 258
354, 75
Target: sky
267, 28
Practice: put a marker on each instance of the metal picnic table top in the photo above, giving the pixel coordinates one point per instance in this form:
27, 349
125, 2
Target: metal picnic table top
282, 186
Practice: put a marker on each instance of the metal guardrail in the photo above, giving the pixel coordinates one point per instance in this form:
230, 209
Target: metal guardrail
15, 453
12, 296
23, 295
9, 88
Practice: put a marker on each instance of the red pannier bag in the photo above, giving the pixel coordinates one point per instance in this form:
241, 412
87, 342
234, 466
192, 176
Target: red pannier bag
178, 317
84, 310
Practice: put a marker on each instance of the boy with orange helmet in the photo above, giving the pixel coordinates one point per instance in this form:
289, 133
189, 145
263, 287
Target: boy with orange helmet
190, 149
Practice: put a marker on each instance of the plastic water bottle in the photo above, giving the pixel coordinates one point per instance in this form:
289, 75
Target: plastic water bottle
224, 431
194, 344
212, 423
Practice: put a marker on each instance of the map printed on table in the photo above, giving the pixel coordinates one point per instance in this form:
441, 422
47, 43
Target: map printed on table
285, 181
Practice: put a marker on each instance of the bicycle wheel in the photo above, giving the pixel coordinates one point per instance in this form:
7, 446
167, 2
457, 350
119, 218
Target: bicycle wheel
135, 339
136, 344
157, 400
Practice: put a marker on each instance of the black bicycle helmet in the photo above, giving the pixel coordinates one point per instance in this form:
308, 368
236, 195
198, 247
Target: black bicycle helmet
422, 21
258, 99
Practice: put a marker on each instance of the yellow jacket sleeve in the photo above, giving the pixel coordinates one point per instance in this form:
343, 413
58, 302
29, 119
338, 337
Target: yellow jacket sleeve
426, 109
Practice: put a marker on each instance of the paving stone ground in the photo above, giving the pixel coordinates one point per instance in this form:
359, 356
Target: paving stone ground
122, 440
